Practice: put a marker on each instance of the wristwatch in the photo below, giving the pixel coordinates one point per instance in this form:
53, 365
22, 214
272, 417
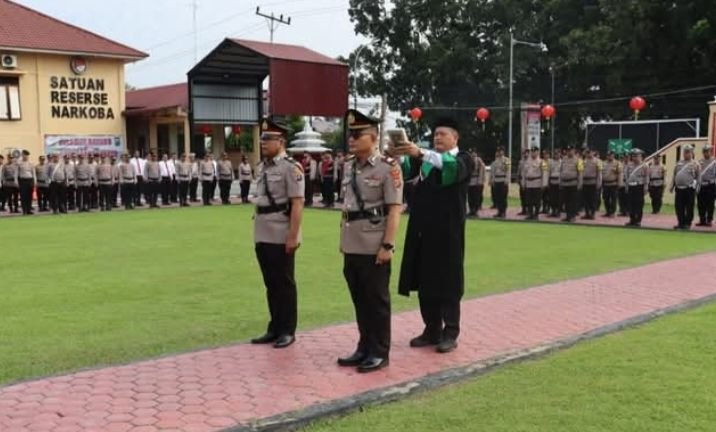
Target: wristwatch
388, 246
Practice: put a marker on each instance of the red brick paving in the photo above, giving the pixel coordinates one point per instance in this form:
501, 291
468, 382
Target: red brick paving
215, 389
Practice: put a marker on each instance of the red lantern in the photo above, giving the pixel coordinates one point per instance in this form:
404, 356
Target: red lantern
548, 112
416, 113
236, 129
483, 114
637, 104
206, 129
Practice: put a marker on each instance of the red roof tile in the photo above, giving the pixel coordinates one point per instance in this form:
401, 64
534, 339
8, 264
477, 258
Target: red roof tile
22, 28
157, 98
287, 52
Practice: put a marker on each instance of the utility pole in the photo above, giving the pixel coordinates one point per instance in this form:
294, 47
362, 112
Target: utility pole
273, 21
195, 7
552, 71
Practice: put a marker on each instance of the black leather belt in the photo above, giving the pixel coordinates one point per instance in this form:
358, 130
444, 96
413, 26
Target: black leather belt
207, 173
534, 178
82, 179
129, 178
610, 183
278, 208
365, 214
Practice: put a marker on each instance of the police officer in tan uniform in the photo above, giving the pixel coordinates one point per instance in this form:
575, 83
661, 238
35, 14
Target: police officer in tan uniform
127, 182
57, 177
10, 185
207, 175
71, 175
26, 182
571, 172
373, 195
612, 181
104, 184
637, 183
226, 178
684, 183
152, 180
499, 182
183, 169
277, 232
707, 187
657, 180
591, 183
476, 186
534, 177
43, 185
83, 173
555, 201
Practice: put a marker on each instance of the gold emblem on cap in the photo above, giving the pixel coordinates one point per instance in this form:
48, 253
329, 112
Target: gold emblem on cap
265, 126
351, 118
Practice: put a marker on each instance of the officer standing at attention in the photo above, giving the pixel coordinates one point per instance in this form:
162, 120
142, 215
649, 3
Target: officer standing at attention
612, 181
373, 196
535, 173
277, 232
26, 182
555, 202
246, 176
127, 182
183, 169
152, 178
499, 182
104, 183
10, 184
520, 182
226, 178
3, 199
57, 176
685, 182
43, 185
657, 176
476, 186
707, 188
571, 171
637, 181
206, 170
591, 183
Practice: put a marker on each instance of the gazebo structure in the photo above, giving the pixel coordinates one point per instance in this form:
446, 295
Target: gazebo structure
226, 88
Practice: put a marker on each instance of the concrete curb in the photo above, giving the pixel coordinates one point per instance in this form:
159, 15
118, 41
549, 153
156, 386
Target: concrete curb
295, 420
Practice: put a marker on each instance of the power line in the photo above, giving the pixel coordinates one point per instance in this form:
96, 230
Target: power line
273, 21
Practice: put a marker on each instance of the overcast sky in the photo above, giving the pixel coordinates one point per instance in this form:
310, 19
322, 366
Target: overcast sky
163, 28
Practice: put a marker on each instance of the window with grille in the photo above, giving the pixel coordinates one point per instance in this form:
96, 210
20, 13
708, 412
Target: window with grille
10, 98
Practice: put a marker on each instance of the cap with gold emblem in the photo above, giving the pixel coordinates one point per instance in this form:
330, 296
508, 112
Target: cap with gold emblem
270, 126
356, 120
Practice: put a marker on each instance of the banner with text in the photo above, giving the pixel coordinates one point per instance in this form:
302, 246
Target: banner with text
84, 144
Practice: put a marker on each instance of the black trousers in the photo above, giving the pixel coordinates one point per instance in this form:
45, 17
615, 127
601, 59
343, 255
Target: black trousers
533, 196
3, 199
71, 197
193, 187
174, 191
441, 316
684, 204
93, 196
707, 193
474, 198
571, 200
183, 192
43, 198
545, 207
225, 190
309, 192
523, 199
139, 190
656, 193
609, 195
26, 186
165, 190
115, 194
589, 199
206, 192
499, 196
337, 187
105, 197
623, 201
128, 194
214, 183
58, 197
83, 198
151, 191
327, 191
555, 201
368, 284
277, 269
12, 195
636, 203
245, 187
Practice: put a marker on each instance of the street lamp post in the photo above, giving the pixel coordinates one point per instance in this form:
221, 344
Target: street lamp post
514, 42
355, 75
551, 120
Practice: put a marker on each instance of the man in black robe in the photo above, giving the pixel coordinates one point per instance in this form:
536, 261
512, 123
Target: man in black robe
435, 241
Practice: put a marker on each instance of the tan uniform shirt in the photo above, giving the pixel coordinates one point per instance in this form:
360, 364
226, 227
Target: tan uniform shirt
25, 170
151, 171
41, 176
127, 174
708, 171
283, 178
83, 174
535, 174
637, 175
657, 175
226, 170
104, 174
245, 173
56, 172
500, 170
571, 172
612, 173
183, 171
478, 175
70, 173
554, 167
206, 170
686, 174
9, 175
592, 175
379, 181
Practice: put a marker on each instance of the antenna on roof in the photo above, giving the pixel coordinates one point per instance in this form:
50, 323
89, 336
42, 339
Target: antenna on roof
272, 21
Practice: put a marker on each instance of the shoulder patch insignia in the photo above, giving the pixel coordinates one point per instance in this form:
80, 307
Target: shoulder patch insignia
397, 175
389, 160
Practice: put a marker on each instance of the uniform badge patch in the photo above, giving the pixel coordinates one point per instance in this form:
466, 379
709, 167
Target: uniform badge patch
395, 173
298, 172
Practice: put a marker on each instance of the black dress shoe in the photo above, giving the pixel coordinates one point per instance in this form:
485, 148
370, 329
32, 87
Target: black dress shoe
423, 341
284, 341
265, 339
353, 360
372, 364
446, 346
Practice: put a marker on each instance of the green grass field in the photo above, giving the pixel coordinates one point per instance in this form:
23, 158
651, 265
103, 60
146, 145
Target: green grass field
657, 378
98, 289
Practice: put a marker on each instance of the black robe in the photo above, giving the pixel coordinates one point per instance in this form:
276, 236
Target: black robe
435, 240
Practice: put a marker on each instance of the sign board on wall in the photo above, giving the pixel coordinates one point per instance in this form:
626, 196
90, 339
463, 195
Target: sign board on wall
531, 126
83, 144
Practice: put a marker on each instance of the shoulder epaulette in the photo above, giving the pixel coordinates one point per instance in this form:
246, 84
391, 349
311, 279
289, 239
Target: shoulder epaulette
389, 160
350, 157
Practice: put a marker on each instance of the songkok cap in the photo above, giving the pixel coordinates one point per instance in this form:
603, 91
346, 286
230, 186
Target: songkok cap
447, 122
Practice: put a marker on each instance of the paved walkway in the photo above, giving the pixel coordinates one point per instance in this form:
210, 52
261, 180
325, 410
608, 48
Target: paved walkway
216, 389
